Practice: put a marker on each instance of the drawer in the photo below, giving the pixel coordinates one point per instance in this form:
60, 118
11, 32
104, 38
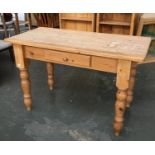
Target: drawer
104, 64
57, 57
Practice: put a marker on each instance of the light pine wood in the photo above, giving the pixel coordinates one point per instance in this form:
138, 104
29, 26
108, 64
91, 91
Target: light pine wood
132, 24
84, 61
140, 25
119, 111
57, 57
140, 28
146, 19
122, 83
98, 22
25, 84
22, 63
104, 64
89, 43
19, 56
105, 52
77, 21
50, 71
94, 22
131, 85
123, 74
116, 23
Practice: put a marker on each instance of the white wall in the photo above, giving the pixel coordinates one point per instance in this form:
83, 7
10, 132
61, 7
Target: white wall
21, 16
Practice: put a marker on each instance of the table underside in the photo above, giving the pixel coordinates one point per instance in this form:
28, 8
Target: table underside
72, 59
124, 69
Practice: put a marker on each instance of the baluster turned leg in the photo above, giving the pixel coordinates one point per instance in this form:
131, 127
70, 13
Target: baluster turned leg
131, 85
120, 107
25, 84
122, 83
50, 72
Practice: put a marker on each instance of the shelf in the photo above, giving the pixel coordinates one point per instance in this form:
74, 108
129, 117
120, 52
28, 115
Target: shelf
115, 23
76, 19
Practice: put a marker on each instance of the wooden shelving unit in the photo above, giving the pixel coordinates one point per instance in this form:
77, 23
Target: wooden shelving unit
78, 21
118, 23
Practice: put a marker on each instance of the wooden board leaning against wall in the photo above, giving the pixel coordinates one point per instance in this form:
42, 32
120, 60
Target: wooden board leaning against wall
51, 16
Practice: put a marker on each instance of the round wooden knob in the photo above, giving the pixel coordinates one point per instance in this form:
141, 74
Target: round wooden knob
65, 59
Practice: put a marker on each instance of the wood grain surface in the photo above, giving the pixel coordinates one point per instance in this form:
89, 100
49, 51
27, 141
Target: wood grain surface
133, 48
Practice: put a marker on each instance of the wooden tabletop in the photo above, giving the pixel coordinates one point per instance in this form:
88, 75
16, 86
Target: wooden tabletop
126, 47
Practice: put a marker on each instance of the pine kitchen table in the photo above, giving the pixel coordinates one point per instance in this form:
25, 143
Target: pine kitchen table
103, 52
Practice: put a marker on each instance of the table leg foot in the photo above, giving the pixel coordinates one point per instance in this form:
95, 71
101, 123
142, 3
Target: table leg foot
50, 88
50, 72
129, 98
117, 128
28, 108
117, 134
25, 84
119, 111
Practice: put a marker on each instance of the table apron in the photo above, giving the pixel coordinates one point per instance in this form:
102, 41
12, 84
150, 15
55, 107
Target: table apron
71, 59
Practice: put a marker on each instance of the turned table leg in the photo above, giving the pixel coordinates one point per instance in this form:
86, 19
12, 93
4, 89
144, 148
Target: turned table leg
25, 84
22, 63
50, 72
122, 83
131, 85
119, 110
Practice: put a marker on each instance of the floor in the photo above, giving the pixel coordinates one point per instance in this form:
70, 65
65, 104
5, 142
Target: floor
81, 107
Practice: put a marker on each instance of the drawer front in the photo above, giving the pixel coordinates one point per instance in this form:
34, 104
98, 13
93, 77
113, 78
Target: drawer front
104, 64
57, 57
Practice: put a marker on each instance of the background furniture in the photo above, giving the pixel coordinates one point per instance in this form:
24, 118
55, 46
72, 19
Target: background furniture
29, 20
32, 19
118, 23
78, 21
7, 26
17, 23
147, 19
23, 25
47, 19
